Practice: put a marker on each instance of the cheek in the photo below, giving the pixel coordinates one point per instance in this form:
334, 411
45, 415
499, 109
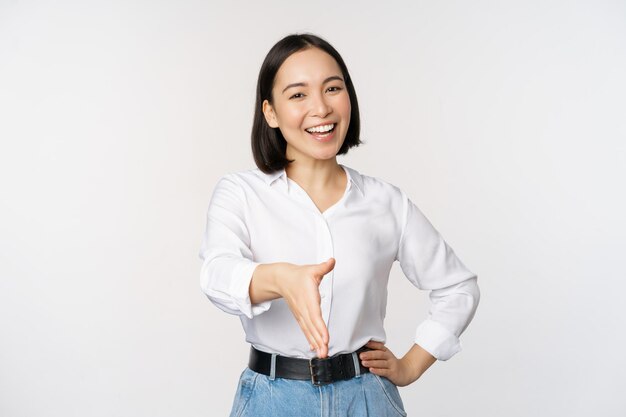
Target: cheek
293, 117
346, 113
344, 106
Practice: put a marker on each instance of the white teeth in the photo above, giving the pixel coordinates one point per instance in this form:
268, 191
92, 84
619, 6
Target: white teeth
321, 129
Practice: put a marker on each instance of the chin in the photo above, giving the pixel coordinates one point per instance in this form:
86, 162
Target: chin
325, 156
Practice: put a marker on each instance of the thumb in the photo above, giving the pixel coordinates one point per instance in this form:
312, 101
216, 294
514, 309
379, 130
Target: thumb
327, 266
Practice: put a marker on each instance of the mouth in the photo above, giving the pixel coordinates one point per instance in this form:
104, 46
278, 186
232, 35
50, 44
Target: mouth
322, 132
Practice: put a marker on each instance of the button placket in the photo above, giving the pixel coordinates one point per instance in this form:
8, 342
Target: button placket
326, 250
323, 239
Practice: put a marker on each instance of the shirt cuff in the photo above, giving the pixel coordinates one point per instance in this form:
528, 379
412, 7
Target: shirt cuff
240, 289
437, 340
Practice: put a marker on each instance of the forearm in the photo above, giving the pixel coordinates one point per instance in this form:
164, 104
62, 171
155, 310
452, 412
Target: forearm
263, 286
417, 361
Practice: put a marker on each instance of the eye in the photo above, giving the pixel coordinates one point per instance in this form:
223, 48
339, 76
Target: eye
336, 88
294, 96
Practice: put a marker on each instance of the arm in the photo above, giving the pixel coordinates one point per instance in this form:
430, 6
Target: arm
228, 264
429, 263
237, 284
299, 286
264, 283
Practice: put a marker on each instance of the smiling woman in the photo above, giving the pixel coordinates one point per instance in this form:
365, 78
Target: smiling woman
302, 242
303, 83
312, 113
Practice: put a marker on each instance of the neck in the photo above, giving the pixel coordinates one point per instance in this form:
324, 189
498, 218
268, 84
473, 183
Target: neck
316, 175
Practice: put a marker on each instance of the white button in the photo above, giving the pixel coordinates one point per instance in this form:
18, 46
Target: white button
323, 295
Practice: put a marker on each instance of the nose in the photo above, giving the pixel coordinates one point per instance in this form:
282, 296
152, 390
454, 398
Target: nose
320, 106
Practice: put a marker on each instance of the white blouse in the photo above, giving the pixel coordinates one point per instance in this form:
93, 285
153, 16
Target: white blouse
256, 218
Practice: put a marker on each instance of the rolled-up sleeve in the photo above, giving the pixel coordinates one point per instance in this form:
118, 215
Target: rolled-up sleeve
228, 263
431, 264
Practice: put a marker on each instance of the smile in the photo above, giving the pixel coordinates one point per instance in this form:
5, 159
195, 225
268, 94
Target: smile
321, 129
322, 133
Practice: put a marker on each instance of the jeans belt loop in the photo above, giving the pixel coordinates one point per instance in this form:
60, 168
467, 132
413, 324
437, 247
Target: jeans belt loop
357, 367
313, 380
273, 367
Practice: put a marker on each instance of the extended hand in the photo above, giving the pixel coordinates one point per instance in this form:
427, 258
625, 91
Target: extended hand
299, 286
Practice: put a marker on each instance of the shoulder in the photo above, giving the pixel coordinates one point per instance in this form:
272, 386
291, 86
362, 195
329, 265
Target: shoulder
382, 192
241, 178
233, 189
375, 186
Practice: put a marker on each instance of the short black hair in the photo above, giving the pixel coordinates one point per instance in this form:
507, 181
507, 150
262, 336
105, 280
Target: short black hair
268, 144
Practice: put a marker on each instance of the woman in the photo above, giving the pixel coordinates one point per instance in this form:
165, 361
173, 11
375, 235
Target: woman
300, 248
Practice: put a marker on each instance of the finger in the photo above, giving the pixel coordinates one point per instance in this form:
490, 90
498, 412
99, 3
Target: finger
320, 333
380, 371
375, 354
325, 267
376, 345
308, 329
376, 364
304, 324
317, 338
307, 333
329, 265
320, 325
371, 357
318, 341
322, 350
318, 321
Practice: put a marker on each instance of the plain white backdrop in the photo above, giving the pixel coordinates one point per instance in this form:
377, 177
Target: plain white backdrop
503, 120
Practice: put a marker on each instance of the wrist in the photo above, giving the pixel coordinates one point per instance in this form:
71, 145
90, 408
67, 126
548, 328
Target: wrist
264, 283
413, 372
277, 274
417, 361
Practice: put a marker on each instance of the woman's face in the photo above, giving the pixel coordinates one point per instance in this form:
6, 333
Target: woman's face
309, 91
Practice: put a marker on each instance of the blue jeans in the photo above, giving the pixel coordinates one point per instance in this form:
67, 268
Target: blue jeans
364, 395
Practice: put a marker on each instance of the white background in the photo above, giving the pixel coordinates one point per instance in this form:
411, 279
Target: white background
503, 120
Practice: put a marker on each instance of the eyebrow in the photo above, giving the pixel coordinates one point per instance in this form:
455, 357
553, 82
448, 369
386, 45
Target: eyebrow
331, 78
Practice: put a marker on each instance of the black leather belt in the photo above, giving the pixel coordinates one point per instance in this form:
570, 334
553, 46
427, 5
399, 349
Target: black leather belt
319, 371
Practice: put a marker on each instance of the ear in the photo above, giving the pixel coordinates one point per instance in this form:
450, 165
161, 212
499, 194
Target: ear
270, 116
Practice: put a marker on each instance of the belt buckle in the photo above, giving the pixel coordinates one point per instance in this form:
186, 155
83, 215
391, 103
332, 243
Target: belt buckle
314, 366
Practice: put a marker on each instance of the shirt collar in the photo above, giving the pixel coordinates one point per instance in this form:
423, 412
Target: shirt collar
353, 175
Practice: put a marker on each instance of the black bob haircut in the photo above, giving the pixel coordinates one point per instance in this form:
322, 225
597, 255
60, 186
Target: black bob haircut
268, 144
